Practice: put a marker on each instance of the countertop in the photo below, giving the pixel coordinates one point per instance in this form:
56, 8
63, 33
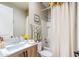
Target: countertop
6, 52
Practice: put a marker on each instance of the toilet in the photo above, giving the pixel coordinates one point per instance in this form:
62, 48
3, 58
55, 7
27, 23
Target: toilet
45, 52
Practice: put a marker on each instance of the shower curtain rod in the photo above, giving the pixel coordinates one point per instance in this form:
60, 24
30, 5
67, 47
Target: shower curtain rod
45, 9
46, 16
51, 5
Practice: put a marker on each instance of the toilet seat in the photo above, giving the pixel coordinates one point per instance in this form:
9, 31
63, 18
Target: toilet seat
46, 53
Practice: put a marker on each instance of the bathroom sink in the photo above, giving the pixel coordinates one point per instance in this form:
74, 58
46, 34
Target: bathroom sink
13, 47
17, 45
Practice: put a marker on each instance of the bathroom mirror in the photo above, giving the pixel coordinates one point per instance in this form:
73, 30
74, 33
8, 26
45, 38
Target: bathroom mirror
6, 20
13, 18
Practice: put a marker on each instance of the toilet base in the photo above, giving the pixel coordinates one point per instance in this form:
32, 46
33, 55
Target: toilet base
45, 53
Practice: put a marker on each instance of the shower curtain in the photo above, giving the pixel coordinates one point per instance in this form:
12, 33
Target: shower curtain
63, 20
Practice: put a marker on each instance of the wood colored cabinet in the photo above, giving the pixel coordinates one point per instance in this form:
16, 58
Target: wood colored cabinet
28, 52
32, 51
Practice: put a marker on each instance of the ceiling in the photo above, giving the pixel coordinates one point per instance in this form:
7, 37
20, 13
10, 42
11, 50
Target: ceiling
21, 5
24, 5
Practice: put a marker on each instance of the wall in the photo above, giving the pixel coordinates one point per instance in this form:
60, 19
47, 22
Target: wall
19, 22
35, 8
19, 19
77, 26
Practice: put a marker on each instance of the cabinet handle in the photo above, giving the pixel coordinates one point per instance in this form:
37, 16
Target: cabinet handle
24, 54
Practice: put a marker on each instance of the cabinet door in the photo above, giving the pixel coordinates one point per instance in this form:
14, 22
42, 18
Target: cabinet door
32, 51
15, 55
18, 54
29, 52
21, 54
25, 53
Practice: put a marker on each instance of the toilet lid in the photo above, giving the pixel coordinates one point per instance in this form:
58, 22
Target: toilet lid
46, 53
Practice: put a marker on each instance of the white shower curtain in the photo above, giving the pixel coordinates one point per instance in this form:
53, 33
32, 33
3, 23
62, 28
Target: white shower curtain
64, 30
67, 30
73, 19
63, 23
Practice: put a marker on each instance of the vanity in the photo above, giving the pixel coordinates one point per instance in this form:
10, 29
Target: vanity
26, 52
10, 26
19, 50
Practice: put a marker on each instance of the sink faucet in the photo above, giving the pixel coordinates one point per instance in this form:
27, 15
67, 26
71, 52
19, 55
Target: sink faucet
1, 42
1, 39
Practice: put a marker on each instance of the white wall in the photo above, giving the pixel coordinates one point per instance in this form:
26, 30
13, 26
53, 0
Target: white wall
19, 22
27, 25
78, 26
19, 17
35, 8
